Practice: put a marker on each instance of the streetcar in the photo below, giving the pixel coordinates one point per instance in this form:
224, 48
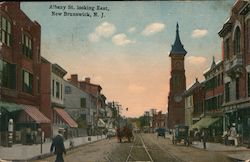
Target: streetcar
180, 134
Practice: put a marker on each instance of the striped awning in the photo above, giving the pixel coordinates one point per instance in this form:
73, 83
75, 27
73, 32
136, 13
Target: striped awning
35, 114
66, 117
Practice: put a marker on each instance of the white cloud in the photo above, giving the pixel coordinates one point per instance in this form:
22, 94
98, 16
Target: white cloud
94, 37
103, 30
196, 60
133, 88
199, 33
121, 39
132, 29
153, 28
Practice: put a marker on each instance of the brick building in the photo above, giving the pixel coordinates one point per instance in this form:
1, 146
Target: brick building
236, 55
159, 120
19, 72
194, 103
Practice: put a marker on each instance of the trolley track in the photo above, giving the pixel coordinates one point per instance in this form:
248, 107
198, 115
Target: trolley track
138, 151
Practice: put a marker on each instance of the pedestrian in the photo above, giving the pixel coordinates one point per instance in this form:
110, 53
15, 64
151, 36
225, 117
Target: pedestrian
204, 138
233, 135
58, 146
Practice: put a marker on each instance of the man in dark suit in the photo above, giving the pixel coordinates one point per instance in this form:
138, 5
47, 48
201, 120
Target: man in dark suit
58, 146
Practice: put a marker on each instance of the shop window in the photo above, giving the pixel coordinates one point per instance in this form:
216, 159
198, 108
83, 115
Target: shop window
5, 31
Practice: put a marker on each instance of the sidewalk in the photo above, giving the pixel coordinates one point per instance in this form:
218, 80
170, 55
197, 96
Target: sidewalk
27, 152
236, 153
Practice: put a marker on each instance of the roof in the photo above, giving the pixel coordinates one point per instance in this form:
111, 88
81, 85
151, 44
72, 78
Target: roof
35, 114
177, 47
213, 67
195, 85
66, 117
58, 70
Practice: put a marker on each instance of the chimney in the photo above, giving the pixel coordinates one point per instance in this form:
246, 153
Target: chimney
87, 80
74, 79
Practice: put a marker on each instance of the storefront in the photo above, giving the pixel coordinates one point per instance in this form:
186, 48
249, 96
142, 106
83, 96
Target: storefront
213, 125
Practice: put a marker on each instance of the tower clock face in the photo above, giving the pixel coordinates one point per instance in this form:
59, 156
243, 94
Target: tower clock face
177, 98
177, 64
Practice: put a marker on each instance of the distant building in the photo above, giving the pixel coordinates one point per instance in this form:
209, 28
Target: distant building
80, 105
159, 120
176, 103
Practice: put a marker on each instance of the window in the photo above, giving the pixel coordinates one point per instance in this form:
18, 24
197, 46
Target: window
27, 46
67, 90
61, 91
248, 84
237, 41
53, 87
83, 102
7, 75
57, 89
218, 80
27, 82
5, 34
38, 85
237, 88
248, 34
226, 49
222, 79
227, 92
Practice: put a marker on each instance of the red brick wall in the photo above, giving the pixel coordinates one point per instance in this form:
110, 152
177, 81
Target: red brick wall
45, 100
20, 22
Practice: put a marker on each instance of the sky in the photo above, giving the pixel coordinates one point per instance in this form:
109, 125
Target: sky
124, 46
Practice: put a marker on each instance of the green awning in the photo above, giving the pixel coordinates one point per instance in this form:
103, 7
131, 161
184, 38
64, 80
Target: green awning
204, 122
11, 107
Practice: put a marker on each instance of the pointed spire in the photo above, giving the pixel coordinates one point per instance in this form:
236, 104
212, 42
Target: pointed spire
213, 63
177, 47
196, 80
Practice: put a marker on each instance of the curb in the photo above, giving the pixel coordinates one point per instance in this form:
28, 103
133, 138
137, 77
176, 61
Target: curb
45, 155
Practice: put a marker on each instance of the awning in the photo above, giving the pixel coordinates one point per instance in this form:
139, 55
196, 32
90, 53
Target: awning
11, 107
204, 122
66, 117
101, 123
35, 114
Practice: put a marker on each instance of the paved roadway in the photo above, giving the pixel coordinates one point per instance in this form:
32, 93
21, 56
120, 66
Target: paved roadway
159, 149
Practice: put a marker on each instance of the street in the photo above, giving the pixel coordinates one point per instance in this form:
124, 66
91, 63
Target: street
156, 149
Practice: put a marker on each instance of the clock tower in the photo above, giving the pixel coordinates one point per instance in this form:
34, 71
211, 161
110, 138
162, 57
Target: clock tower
176, 102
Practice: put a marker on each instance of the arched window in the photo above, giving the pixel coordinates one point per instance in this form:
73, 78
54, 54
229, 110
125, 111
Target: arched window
237, 41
